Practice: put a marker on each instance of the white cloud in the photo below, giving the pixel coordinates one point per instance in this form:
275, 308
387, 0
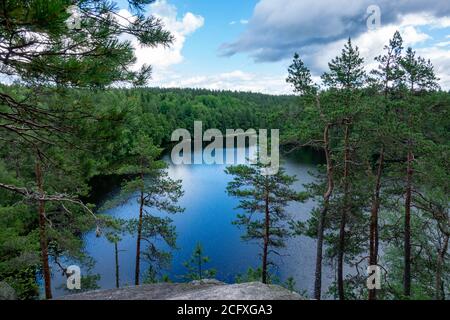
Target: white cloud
242, 21
441, 60
316, 55
425, 19
279, 27
443, 44
235, 81
163, 57
371, 44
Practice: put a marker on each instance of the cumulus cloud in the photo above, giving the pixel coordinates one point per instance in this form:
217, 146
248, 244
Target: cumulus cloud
180, 28
317, 57
279, 27
443, 44
318, 41
440, 58
371, 44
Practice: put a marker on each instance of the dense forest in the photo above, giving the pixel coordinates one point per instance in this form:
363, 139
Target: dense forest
100, 138
381, 195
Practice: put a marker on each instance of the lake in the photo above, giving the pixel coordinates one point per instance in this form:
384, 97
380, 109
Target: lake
208, 219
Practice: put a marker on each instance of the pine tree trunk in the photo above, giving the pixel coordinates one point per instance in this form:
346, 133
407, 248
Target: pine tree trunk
323, 214
407, 240
373, 257
319, 253
340, 275
200, 273
43, 233
439, 264
116, 254
139, 236
341, 248
266, 238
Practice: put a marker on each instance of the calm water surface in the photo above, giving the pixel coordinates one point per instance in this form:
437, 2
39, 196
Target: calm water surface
208, 220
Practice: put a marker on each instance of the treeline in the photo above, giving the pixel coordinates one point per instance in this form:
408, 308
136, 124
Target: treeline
161, 111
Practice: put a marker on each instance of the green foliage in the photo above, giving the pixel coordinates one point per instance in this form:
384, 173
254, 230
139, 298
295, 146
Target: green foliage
395, 110
290, 284
47, 159
300, 77
196, 266
252, 275
347, 70
88, 283
152, 276
263, 199
55, 115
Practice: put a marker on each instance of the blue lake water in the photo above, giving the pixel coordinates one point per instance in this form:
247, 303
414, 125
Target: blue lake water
208, 219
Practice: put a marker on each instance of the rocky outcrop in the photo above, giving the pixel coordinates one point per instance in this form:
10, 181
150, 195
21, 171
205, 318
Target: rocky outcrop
197, 290
7, 292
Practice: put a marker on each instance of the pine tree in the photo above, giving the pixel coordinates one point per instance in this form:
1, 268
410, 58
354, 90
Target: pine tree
266, 196
114, 235
346, 75
387, 79
44, 53
300, 78
418, 76
196, 265
156, 191
41, 49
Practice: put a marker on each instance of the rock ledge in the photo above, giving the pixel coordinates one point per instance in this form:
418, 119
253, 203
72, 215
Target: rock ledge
196, 290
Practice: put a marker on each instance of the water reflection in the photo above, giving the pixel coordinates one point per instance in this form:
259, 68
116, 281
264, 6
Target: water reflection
208, 219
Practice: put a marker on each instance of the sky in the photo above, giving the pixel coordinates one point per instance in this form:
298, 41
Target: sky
247, 45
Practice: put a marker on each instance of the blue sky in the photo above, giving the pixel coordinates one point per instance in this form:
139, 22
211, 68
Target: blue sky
222, 23
247, 44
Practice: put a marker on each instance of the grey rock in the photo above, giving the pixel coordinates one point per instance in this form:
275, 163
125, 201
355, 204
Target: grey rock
7, 292
243, 291
196, 290
206, 281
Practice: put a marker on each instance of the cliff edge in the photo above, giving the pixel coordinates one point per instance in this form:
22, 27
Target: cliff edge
196, 290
